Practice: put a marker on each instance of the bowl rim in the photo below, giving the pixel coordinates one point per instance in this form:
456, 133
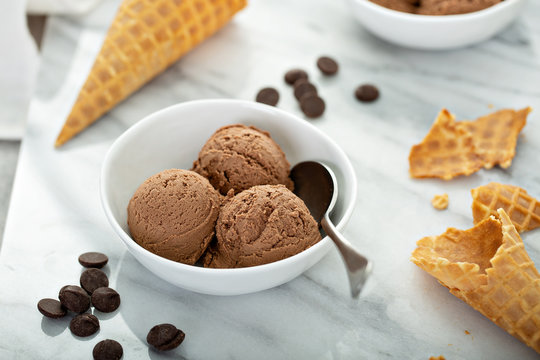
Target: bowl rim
149, 119
438, 18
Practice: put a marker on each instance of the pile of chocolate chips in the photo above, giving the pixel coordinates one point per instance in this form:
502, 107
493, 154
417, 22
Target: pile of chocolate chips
95, 290
306, 93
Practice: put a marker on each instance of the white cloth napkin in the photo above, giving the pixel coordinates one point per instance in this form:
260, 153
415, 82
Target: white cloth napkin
18, 68
60, 6
19, 59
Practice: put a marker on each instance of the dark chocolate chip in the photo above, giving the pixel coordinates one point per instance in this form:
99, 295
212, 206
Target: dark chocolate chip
268, 96
108, 350
74, 298
165, 337
105, 299
301, 82
327, 65
92, 279
84, 325
93, 260
312, 105
367, 93
51, 308
302, 87
292, 75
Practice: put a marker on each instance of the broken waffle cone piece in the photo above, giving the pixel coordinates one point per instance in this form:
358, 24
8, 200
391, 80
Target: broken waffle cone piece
458, 258
495, 135
522, 209
146, 36
446, 152
461, 148
488, 268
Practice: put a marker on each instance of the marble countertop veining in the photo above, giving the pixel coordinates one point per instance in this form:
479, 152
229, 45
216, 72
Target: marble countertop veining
55, 212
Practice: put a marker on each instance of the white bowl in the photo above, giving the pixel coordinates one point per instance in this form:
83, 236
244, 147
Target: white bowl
435, 32
172, 138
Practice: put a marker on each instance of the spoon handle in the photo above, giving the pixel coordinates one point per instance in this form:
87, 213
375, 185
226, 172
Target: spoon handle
358, 266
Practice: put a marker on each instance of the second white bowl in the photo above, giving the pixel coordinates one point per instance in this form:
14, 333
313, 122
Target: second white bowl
172, 138
435, 32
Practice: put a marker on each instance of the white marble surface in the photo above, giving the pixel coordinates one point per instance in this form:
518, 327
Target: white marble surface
404, 313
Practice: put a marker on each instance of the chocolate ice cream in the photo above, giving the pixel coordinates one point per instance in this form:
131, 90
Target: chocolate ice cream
238, 157
437, 7
173, 214
452, 7
264, 224
399, 5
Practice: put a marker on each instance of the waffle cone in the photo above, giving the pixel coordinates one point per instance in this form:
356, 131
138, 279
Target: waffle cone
495, 135
146, 36
488, 268
522, 209
446, 152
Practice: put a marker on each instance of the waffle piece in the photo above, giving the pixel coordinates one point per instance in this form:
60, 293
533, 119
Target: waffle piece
146, 36
440, 202
523, 209
446, 152
488, 268
495, 135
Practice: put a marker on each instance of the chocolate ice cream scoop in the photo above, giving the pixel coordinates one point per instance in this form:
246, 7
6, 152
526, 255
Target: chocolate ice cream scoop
238, 157
260, 225
173, 214
437, 7
452, 7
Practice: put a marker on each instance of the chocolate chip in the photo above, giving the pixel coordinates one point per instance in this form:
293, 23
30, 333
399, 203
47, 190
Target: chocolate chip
105, 299
327, 65
93, 260
108, 350
74, 298
312, 105
367, 93
292, 75
92, 279
301, 82
84, 325
51, 308
302, 87
268, 96
165, 337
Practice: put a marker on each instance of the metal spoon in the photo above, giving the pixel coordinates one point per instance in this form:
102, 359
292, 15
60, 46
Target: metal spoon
316, 185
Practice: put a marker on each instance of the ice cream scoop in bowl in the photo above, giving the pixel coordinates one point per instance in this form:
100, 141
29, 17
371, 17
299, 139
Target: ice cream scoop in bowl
316, 184
172, 138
